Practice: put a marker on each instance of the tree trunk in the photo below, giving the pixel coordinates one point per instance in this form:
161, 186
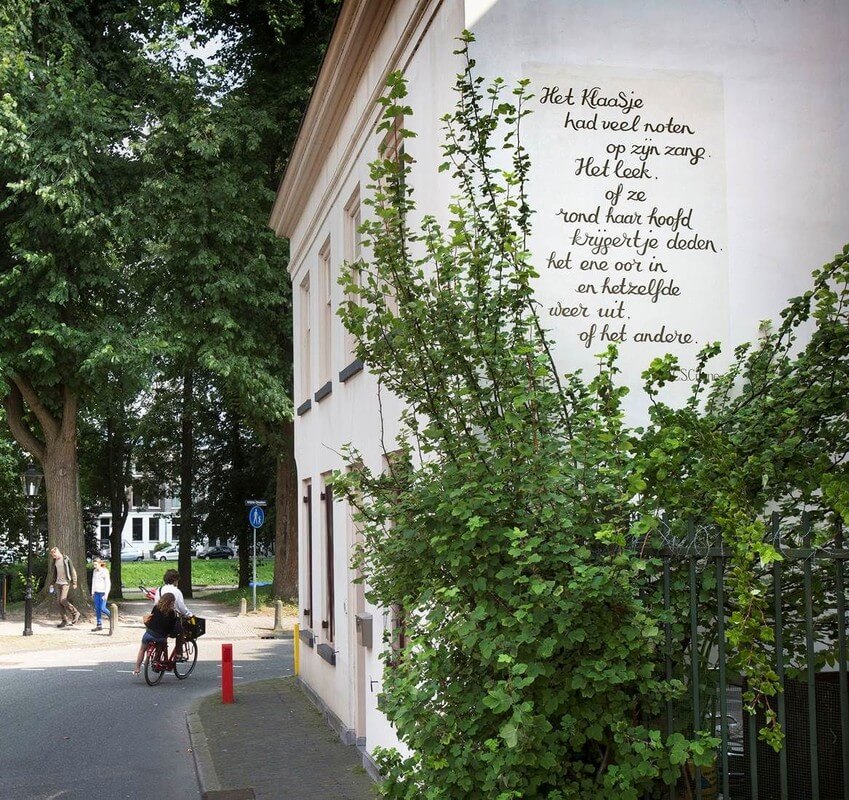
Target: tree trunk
187, 532
119, 504
57, 453
64, 511
237, 501
116, 527
286, 529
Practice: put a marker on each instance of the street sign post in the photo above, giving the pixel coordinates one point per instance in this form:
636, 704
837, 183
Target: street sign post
256, 517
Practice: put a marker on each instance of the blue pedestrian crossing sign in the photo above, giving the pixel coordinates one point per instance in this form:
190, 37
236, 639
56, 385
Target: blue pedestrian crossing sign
256, 516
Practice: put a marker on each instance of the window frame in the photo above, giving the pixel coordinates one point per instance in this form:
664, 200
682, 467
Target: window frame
353, 258
305, 330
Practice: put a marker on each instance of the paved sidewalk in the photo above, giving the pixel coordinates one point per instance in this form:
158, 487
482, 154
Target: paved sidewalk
221, 623
272, 744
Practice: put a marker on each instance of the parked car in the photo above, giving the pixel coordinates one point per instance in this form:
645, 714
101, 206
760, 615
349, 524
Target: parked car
216, 551
169, 553
131, 553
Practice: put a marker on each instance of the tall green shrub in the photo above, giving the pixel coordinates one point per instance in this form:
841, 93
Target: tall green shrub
527, 667
525, 658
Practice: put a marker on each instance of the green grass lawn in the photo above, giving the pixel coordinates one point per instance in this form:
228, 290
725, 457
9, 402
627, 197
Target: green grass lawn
218, 572
264, 600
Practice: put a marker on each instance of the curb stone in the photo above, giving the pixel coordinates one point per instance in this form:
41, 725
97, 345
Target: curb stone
204, 766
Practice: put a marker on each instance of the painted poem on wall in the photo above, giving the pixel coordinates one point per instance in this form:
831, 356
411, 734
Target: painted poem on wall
628, 185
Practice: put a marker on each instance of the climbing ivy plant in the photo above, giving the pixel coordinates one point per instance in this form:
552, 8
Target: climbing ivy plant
525, 656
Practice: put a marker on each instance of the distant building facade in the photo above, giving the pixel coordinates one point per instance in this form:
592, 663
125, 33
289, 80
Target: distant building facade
690, 171
148, 524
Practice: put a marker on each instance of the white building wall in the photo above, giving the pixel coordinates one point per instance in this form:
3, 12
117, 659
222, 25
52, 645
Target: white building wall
141, 516
774, 125
349, 413
775, 118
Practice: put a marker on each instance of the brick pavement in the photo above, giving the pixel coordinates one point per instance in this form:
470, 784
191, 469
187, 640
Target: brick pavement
272, 744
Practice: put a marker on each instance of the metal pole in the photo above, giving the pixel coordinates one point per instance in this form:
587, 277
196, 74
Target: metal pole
813, 743
254, 568
28, 593
841, 660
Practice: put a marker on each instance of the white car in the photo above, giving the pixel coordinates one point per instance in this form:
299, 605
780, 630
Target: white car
169, 553
130, 553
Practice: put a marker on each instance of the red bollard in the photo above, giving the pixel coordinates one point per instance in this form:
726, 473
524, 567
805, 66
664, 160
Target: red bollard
226, 673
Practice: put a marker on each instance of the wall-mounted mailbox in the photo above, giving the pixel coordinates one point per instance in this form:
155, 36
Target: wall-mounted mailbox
364, 629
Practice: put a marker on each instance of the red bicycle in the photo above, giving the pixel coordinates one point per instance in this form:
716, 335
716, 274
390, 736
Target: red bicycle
183, 657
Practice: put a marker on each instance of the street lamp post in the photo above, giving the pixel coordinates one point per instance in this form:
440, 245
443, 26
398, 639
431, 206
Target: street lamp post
31, 481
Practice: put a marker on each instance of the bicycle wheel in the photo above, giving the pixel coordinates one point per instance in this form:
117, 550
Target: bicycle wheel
185, 659
152, 674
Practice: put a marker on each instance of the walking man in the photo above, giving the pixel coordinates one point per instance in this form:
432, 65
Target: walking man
64, 578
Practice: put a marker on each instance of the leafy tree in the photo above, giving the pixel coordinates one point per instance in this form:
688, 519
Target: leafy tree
74, 96
137, 182
218, 156
513, 535
205, 229
264, 41
111, 430
236, 466
13, 523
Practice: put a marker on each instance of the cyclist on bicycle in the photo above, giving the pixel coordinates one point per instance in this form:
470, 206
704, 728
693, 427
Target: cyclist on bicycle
158, 625
169, 581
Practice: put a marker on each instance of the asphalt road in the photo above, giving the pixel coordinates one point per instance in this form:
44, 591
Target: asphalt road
77, 725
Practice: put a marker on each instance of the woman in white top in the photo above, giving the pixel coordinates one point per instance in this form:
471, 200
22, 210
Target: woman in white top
101, 585
169, 586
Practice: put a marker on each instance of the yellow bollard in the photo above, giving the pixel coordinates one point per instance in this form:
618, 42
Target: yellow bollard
297, 647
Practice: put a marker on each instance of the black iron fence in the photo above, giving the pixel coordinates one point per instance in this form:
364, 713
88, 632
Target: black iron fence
807, 614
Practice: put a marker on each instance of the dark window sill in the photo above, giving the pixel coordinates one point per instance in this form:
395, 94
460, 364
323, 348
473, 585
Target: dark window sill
304, 407
352, 369
327, 652
307, 637
323, 392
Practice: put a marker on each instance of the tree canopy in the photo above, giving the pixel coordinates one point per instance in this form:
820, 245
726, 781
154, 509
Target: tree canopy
74, 78
137, 177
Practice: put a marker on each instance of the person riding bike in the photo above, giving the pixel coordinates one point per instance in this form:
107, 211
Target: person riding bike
158, 625
169, 586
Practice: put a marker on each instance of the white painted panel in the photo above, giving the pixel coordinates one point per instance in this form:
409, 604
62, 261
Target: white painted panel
628, 184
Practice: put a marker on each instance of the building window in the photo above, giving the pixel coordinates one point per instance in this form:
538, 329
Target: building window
175, 531
395, 184
305, 350
353, 220
325, 343
307, 528
139, 500
138, 530
153, 529
105, 529
329, 620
